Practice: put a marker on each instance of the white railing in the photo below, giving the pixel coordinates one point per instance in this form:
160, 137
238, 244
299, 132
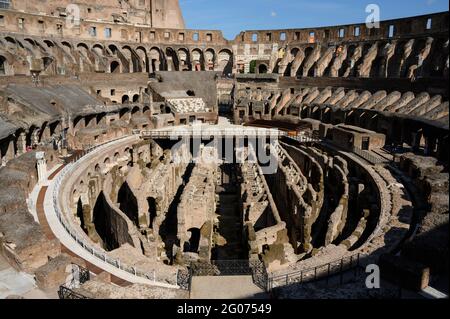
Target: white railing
94, 251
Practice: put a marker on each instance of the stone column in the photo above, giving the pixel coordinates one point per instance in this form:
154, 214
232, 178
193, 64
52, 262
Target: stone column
21, 144
41, 167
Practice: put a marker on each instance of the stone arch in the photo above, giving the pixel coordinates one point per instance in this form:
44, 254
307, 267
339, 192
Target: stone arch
135, 98
67, 45
44, 132
308, 51
113, 48
128, 203
346, 65
152, 210
115, 67
172, 60
225, 61
77, 122
125, 99
135, 110
123, 111
30, 41
98, 49
49, 43
102, 223
134, 59
210, 59
3, 65
184, 59
10, 40
197, 60
155, 59
194, 241
142, 54
263, 68
54, 126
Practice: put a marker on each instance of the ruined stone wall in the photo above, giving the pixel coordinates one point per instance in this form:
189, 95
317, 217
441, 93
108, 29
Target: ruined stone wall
23, 242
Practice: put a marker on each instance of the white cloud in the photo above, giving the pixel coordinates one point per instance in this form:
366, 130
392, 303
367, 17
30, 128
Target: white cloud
273, 14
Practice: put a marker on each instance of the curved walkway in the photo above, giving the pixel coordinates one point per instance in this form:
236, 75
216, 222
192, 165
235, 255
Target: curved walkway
46, 212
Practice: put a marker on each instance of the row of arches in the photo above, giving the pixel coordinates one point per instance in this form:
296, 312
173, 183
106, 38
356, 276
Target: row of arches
382, 58
115, 58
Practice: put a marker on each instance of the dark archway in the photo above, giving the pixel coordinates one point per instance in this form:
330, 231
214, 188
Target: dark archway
194, 242
128, 203
262, 69
152, 210
125, 99
102, 223
115, 67
2, 65
80, 215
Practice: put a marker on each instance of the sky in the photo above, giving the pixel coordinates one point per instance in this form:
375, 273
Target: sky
234, 16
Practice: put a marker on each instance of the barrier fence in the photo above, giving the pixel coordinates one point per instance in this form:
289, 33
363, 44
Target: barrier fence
322, 272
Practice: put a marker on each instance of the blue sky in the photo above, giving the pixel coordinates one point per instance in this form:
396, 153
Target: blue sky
233, 16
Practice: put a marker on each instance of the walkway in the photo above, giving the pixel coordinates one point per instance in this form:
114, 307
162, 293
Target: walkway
225, 287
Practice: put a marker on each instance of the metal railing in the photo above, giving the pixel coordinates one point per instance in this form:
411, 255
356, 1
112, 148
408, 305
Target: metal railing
322, 272
67, 293
96, 252
211, 132
254, 268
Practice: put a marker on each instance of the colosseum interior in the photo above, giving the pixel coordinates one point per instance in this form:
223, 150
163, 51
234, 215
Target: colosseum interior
140, 159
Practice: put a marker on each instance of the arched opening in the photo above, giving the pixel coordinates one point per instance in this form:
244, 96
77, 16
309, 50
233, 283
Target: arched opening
123, 112
49, 43
225, 61
133, 58
98, 48
152, 210
262, 69
115, 67
210, 59
172, 60
308, 52
183, 58
135, 98
197, 60
347, 62
113, 49
125, 99
2, 65
10, 40
103, 223
80, 215
155, 60
135, 111
194, 241
128, 203
142, 53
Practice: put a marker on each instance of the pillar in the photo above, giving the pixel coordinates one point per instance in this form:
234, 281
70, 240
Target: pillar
41, 167
21, 144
